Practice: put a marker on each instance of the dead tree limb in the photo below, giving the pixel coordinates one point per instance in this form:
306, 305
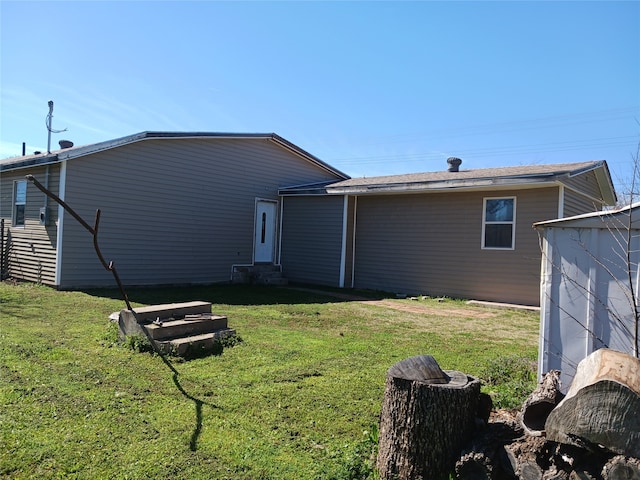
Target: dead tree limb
92, 230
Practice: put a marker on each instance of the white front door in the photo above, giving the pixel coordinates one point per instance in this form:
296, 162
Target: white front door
265, 232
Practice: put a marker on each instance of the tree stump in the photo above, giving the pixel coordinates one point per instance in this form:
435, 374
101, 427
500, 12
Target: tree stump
601, 407
427, 417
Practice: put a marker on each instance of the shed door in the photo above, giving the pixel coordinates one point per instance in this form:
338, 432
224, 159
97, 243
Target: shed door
265, 231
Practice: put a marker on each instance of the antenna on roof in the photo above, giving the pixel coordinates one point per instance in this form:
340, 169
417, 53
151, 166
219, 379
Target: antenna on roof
49, 129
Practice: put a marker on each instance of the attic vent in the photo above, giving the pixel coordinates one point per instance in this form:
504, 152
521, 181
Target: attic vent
65, 143
454, 164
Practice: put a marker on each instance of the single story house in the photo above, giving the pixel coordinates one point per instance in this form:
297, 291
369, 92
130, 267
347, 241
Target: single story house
189, 208
459, 233
176, 208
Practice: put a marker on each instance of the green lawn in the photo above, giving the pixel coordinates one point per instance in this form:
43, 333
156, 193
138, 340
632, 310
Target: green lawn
299, 398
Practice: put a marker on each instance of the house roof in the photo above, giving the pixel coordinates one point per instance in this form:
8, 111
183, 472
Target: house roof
525, 176
80, 151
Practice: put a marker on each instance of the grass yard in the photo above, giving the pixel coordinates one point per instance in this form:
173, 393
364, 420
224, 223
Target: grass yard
298, 398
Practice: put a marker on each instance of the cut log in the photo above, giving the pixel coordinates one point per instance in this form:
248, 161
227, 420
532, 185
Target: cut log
474, 466
539, 404
622, 468
530, 471
581, 475
524, 455
427, 416
485, 457
555, 474
600, 410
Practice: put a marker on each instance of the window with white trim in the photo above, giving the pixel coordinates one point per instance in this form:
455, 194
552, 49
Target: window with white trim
499, 223
19, 202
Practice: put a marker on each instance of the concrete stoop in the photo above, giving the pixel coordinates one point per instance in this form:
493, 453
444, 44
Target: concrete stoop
182, 329
259, 274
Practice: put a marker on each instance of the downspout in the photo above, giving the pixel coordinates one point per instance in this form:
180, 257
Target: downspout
279, 259
47, 174
343, 246
59, 233
561, 201
353, 245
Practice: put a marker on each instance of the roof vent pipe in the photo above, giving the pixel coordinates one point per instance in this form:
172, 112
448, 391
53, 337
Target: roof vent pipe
65, 144
454, 164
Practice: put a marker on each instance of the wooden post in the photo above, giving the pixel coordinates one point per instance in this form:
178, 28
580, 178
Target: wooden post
427, 417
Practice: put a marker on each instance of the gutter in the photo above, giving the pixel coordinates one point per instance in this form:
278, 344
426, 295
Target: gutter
440, 185
30, 162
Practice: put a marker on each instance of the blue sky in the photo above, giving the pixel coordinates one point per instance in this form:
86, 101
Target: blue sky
373, 88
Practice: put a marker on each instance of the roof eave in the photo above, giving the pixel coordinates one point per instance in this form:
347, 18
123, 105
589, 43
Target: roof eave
442, 185
603, 176
306, 155
40, 161
76, 152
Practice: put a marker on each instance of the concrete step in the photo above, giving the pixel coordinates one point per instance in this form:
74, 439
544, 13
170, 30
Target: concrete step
186, 327
175, 310
194, 345
270, 277
276, 281
258, 274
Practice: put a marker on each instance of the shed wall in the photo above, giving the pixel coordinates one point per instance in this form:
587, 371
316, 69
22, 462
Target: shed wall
176, 211
586, 302
311, 239
31, 248
431, 244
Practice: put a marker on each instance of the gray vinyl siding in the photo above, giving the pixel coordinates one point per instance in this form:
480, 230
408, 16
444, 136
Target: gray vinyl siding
431, 244
576, 204
582, 195
177, 211
31, 249
311, 239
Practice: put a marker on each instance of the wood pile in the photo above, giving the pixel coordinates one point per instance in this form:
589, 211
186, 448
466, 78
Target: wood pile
592, 433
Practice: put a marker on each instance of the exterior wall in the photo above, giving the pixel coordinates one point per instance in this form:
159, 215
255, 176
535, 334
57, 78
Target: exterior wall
311, 239
585, 295
580, 194
31, 249
431, 244
176, 211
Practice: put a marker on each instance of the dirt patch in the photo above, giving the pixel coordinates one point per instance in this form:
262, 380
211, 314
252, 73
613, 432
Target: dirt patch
416, 307
409, 306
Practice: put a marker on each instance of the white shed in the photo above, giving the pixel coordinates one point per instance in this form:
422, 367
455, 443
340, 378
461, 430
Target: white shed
589, 287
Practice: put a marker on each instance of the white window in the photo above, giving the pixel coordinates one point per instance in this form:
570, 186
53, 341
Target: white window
499, 223
19, 202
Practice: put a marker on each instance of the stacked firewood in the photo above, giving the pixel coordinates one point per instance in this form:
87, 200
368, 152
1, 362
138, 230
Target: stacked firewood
592, 433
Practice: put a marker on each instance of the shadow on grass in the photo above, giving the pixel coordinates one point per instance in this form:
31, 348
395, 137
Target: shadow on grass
198, 403
227, 294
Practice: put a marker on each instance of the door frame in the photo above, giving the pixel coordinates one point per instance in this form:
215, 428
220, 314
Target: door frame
272, 226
